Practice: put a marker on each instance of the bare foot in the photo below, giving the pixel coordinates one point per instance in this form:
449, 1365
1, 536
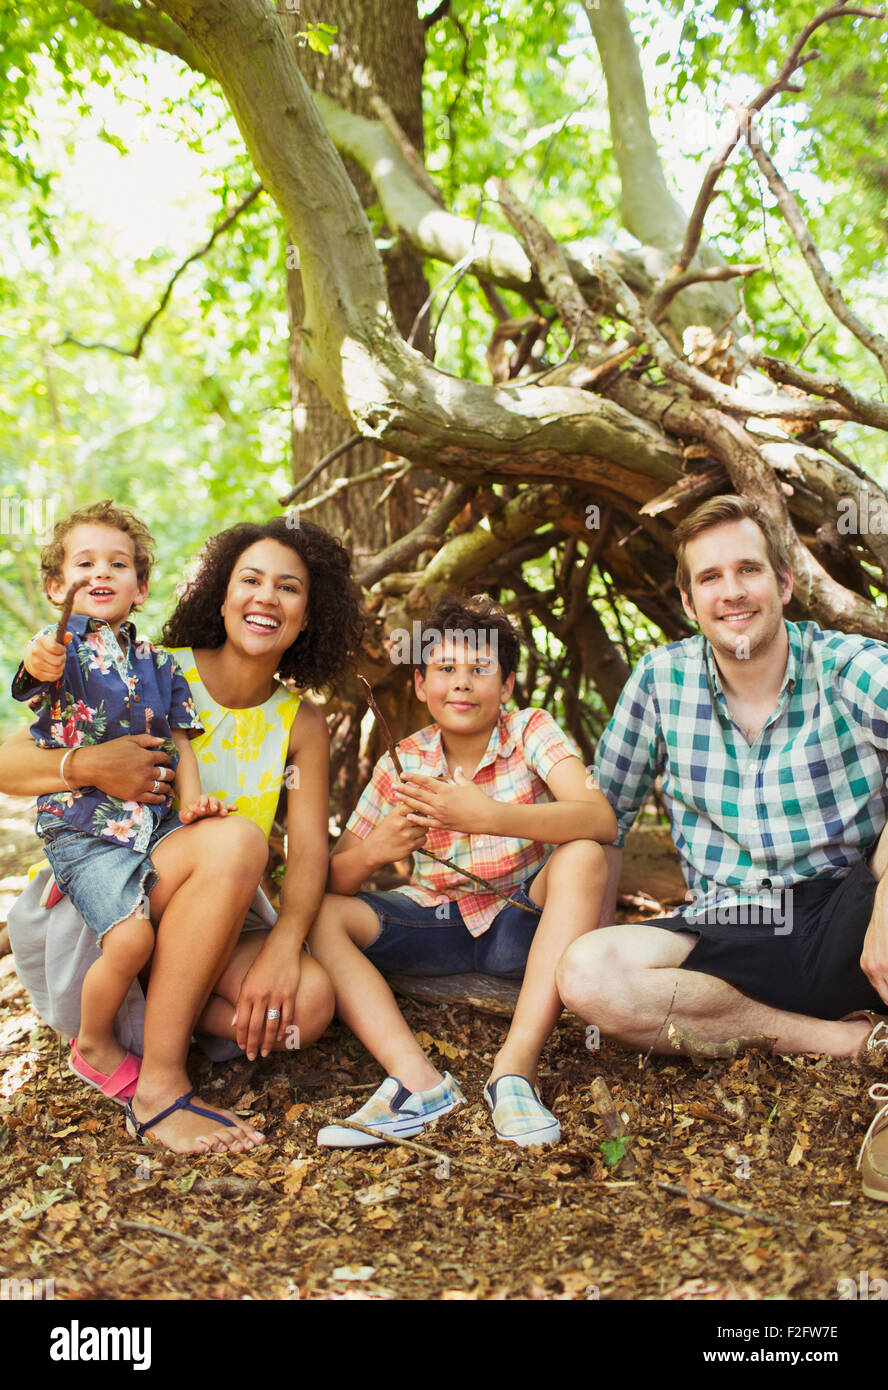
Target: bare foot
185, 1132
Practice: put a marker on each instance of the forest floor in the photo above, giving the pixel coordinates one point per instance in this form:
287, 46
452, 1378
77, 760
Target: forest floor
107, 1217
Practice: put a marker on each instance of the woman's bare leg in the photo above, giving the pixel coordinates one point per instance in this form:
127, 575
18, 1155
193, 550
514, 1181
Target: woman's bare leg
315, 1002
208, 874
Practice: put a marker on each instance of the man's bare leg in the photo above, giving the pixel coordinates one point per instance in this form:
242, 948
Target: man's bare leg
627, 980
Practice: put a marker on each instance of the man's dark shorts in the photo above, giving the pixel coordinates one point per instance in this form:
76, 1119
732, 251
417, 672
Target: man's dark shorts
802, 957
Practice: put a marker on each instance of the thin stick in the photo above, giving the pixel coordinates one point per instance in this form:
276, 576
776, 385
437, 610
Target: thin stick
677, 1190
448, 863
319, 467
67, 607
172, 1235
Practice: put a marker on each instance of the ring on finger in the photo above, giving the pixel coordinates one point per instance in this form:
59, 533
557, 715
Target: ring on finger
154, 786
273, 1013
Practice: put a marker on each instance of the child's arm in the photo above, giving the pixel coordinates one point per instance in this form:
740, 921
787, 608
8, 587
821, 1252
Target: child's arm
579, 812
354, 859
193, 804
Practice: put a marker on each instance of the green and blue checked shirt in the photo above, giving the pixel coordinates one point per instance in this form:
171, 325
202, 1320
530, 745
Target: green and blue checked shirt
803, 801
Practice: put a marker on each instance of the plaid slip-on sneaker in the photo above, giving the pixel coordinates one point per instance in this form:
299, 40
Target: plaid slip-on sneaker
873, 1159
519, 1115
392, 1109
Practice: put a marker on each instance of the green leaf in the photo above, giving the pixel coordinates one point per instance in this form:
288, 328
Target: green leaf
615, 1149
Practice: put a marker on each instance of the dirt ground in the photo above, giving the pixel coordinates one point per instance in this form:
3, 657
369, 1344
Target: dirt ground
107, 1217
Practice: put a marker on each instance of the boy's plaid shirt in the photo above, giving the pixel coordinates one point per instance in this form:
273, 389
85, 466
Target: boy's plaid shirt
524, 747
803, 801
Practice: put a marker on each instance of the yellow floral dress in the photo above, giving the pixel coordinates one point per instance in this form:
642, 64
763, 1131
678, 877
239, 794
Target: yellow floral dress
242, 752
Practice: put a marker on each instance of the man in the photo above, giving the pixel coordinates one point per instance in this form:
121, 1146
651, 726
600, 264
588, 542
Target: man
772, 741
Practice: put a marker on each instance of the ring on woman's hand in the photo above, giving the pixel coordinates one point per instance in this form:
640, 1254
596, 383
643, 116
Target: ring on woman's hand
161, 773
273, 1013
154, 786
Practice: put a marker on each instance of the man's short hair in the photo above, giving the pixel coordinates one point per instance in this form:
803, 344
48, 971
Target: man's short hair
715, 512
480, 616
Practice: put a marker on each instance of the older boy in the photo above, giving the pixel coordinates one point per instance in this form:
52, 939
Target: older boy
489, 790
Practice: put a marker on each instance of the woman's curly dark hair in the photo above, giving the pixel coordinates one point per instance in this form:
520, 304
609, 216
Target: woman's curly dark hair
322, 653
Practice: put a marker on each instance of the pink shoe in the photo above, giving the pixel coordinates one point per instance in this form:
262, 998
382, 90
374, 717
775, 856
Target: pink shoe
120, 1086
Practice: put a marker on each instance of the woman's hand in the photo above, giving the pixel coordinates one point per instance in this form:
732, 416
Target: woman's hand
45, 657
457, 806
271, 983
125, 767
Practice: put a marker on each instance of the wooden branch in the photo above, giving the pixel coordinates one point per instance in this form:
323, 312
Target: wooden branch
701, 1050
428, 533
675, 1189
67, 607
614, 1124
405, 145
220, 227
149, 27
781, 82
876, 343
666, 291
353, 480
319, 468
860, 408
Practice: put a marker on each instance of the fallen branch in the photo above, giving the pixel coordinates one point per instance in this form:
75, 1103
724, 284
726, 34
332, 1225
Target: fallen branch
676, 1189
701, 1050
319, 467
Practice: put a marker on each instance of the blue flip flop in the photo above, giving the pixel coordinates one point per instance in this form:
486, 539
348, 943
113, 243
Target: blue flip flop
139, 1128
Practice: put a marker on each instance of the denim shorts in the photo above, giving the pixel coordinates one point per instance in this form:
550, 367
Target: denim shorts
418, 940
104, 879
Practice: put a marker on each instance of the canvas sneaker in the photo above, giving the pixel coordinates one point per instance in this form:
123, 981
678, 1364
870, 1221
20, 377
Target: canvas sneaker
873, 1159
392, 1109
519, 1115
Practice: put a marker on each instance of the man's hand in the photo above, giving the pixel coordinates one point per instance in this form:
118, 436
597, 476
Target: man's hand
874, 957
458, 805
124, 767
271, 983
204, 806
45, 657
394, 838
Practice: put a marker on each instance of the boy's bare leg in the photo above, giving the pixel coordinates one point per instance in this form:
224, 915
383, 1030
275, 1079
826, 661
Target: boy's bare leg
569, 888
126, 947
315, 1002
364, 1002
627, 981
208, 873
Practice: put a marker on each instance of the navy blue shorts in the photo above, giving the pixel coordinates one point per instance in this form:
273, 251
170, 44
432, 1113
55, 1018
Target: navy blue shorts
804, 957
419, 940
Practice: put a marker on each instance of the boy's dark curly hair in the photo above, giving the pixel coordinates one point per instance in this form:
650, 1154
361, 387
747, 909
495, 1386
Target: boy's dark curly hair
480, 614
322, 653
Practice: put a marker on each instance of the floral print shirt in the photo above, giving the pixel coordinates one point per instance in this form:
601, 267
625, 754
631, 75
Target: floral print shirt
110, 688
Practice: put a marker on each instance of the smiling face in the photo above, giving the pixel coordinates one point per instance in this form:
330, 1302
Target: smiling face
266, 602
106, 557
462, 687
735, 595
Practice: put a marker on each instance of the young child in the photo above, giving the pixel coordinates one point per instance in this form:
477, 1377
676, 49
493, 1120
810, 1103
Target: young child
100, 684
488, 789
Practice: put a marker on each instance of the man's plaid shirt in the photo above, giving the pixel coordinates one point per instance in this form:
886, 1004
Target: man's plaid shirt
803, 801
524, 747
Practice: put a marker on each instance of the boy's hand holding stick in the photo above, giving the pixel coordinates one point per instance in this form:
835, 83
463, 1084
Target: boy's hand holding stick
448, 863
45, 655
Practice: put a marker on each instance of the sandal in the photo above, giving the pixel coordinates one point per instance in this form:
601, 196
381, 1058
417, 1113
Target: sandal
139, 1128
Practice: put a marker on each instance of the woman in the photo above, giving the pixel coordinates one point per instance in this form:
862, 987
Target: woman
268, 600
